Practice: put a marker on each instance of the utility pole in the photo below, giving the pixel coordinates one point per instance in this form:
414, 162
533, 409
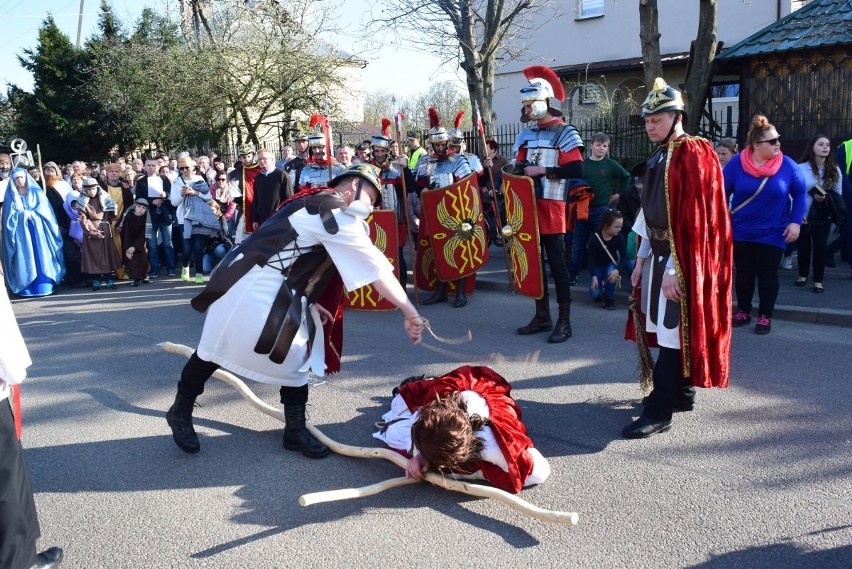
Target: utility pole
80, 23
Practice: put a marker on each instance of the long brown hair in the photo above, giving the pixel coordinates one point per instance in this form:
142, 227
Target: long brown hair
831, 174
446, 436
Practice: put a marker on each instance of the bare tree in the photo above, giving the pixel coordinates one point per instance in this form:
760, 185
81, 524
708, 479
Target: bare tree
268, 59
702, 53
475, 33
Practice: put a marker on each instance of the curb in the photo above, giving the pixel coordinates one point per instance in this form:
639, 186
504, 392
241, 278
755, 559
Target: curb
489, 281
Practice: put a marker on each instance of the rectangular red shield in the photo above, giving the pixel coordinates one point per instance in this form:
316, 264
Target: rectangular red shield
521, 235
385, 236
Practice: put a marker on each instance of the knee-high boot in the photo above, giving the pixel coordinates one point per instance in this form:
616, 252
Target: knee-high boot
541, 322
562, 328
440, 294
179, 418
461, 297
296, 434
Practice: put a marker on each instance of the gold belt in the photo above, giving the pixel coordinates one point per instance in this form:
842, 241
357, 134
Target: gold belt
658, 234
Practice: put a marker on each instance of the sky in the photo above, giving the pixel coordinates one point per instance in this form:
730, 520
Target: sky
396, 68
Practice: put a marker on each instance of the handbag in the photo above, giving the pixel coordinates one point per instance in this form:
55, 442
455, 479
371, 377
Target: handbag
608, 254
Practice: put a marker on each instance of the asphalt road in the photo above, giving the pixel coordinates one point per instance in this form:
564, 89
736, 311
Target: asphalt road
758, 476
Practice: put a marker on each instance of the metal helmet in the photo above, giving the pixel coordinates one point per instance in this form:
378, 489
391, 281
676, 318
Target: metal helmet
364, 171
456, 134
245, 149
383, 139
437, 134
544, 85
662, 98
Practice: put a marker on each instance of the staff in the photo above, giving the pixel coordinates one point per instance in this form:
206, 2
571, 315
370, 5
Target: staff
503, 244
398, 128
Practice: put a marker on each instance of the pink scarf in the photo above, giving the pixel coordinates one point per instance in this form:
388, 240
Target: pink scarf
770, 168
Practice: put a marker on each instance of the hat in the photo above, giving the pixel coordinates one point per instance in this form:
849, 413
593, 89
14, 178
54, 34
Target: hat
544, 85
299, 136
186, 162
141, 201
382, 139
95, 165
413, 135
662, 98
88, 182
437, 133
317, 138
245, 149
457, 134
365, 171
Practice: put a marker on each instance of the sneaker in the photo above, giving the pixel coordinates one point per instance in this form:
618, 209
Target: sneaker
787, 263
146, 280
573, 280
742, 318
184, 274
199, 279
96, 285
609, 304
136, 282
111, 284
154, 275
764, 324
172, 274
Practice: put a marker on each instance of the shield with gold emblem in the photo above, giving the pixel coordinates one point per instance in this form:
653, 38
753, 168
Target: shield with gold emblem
520, 234
455, 228
384, 234
424, 271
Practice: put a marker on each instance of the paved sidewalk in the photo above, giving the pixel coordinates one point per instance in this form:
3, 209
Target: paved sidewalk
834, 306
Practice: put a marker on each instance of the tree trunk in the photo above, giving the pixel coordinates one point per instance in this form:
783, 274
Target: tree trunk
700, 69
649, 35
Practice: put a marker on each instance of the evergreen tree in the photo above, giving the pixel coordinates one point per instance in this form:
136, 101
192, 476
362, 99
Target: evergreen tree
59, 114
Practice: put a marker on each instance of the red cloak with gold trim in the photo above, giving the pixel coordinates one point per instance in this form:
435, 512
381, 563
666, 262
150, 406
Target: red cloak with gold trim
505, 415
701, 245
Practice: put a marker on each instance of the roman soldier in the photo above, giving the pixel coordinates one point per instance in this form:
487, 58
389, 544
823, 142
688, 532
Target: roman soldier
551, 153
241, 185
391, 175
442, 169
316, 172
295, 165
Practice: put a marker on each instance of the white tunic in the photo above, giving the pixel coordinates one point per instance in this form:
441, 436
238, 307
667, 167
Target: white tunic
234, 322
666, 337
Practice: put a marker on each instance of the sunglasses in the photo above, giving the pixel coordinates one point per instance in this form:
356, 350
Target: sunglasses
770, 141
184, 168
221, 179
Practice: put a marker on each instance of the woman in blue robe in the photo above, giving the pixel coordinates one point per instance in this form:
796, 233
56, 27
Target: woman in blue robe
32, 243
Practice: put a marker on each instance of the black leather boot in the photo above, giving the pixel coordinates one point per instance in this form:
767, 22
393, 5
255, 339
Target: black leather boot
179, 418
440, 295
461, 297
562, 329
48, 559
541, 322
297, 437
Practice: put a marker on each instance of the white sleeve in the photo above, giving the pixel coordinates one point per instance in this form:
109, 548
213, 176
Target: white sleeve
175, 196
14, 357
358, 261
541, 468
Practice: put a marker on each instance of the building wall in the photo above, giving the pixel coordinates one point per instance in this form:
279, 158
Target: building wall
567, 40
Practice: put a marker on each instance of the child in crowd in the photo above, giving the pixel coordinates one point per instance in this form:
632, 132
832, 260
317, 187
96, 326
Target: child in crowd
607, 257
218, 243
99, 255
134, 243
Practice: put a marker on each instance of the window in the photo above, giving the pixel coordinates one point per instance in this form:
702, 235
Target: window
591, 94
589, 9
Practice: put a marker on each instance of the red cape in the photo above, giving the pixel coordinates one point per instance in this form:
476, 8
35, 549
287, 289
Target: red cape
509, 432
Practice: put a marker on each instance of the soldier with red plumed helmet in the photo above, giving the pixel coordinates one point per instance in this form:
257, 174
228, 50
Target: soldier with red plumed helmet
321, 167
442, 169
458, 146
551, 153
391, 175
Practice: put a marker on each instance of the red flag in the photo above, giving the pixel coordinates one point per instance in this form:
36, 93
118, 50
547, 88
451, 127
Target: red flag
398, 118
479, 124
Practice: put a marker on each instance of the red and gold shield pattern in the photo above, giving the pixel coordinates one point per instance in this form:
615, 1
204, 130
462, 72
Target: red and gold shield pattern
520, 233
384, 234
455, 227
424, 271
